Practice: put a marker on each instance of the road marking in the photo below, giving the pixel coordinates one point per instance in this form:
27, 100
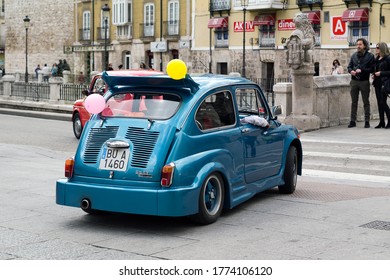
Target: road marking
345, 176
342, 142
347, 156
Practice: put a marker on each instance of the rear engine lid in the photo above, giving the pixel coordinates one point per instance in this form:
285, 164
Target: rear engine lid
124, 150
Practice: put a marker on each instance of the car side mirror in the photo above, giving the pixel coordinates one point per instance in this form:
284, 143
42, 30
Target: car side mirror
85, 92
277, 110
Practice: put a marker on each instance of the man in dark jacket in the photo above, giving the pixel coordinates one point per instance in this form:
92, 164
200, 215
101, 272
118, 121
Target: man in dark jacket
362, 63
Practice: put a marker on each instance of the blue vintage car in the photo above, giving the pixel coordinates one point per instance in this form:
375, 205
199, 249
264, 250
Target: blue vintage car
189, 147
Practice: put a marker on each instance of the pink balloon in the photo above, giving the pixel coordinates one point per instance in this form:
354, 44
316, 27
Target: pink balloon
94, 103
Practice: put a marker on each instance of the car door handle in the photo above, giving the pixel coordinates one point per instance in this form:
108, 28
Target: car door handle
245, 130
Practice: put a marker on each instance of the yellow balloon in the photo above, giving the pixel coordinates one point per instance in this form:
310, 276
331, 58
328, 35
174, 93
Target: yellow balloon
177, 69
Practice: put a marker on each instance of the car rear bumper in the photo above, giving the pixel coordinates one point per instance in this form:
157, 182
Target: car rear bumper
172, 202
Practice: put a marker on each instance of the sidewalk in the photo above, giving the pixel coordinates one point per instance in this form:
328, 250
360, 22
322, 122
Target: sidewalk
33, 109
355, 135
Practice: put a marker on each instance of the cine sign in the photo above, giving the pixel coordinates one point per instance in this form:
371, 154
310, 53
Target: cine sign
158, 46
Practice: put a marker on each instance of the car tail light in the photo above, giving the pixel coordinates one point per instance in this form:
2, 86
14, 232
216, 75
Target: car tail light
167, 175
69, 164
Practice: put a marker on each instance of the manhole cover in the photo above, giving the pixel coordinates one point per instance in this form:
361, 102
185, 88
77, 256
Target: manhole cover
382, 225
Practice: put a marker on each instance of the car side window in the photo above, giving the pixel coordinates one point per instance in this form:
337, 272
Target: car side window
250, 103
215, 111
99, 86
155, 106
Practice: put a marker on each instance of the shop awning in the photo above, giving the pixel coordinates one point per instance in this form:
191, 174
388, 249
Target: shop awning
218, 22
268, 19
314, 17
355, 15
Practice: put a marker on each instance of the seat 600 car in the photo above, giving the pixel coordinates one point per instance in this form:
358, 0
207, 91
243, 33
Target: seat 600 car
189, 147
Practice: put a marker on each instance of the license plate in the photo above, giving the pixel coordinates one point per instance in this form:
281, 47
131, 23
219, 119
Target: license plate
114, 159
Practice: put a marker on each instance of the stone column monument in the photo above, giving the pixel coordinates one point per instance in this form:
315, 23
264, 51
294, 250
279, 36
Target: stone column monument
300, 47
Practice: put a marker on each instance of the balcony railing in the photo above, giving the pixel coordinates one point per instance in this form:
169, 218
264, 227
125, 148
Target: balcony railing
357, 2
171, 28
219, 5
310, 3
267, 42
124, 32
353, 39
147, 31
84, 34
102, 33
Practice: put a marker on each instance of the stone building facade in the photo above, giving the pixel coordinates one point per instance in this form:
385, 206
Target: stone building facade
51, 28
268, 23
57, 30
137, 31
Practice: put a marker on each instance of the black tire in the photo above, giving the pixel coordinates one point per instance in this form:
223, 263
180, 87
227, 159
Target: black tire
77, 127
290, 172
211, 200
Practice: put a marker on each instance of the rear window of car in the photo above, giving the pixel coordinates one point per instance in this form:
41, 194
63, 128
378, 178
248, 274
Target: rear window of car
142, 105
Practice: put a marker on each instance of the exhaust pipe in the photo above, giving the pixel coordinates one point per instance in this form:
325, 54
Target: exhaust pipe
85, 204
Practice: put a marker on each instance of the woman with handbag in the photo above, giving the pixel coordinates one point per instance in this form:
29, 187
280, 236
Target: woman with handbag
381, 78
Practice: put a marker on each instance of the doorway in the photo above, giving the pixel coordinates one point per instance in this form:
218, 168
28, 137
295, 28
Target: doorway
222, 68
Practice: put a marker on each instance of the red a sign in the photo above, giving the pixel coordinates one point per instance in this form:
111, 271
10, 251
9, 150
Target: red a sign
339, 27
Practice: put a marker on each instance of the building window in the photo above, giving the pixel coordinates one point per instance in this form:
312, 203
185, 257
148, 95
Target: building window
221, 37
122, 12
267, 36
149, 20
356, 30
122, 17
86, 26
326, 16
173, 17
317, 35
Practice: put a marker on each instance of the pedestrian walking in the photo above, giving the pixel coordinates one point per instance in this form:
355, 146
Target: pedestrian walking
54, 70
360, 66
380, 76
37, 70
81, 78
60, 67
46, 73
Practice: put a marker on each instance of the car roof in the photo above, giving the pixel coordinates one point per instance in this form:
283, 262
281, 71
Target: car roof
135, 78
133, 73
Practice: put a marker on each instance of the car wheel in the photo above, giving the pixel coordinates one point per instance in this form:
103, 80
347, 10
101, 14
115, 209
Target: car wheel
211, 199
77, 127
290, 172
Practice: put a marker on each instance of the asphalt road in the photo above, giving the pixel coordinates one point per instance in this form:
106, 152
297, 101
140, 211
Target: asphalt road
330, 216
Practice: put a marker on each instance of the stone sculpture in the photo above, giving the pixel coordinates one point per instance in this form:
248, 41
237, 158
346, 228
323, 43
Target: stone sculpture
300, 45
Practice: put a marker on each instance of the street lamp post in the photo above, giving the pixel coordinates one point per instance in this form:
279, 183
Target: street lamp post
106, 14
26, 25
244, 5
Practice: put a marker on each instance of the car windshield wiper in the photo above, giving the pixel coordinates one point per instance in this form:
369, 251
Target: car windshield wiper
150, 123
